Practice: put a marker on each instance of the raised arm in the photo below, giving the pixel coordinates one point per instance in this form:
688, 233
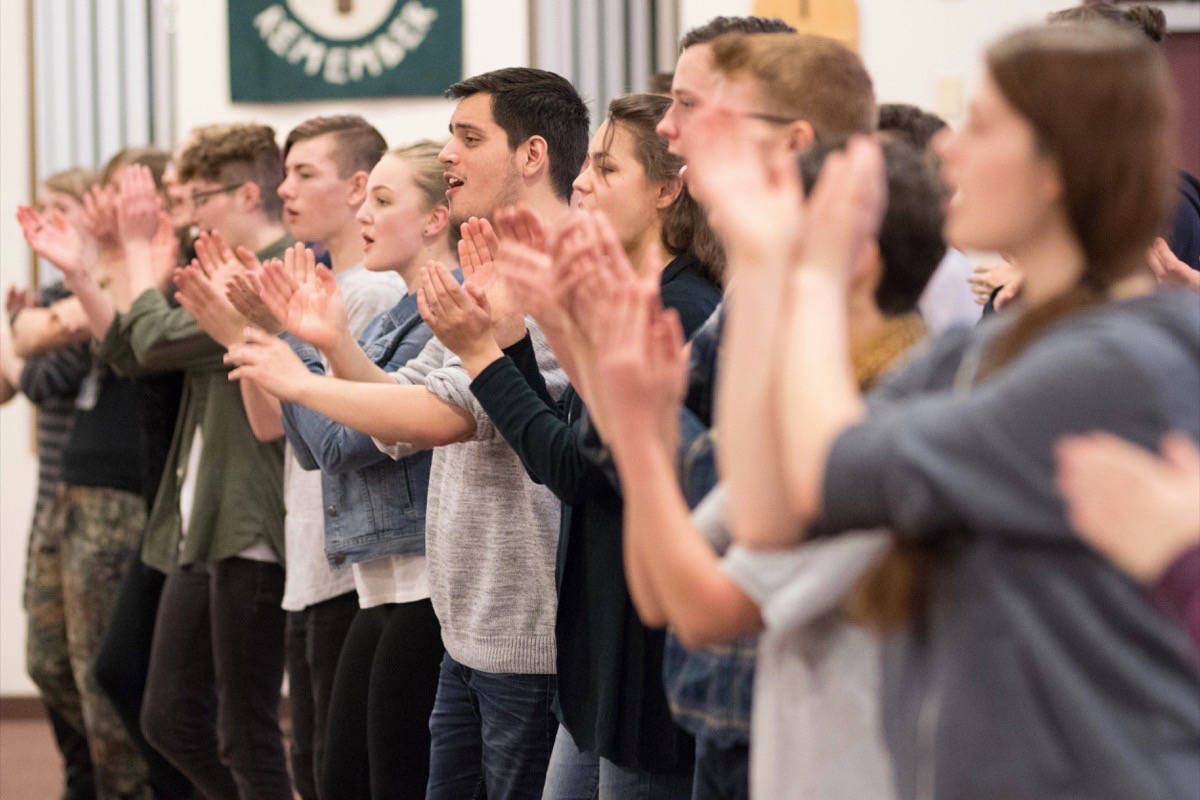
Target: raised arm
755, 201
389, 411
819, 396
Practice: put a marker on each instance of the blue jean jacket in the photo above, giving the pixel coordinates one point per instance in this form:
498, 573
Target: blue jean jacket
374, 506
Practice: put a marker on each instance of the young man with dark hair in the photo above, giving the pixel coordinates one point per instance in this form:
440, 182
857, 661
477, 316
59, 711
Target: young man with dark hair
510, 125
216, 527
517, 136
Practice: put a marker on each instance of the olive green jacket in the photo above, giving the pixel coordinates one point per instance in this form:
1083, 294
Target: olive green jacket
238, 498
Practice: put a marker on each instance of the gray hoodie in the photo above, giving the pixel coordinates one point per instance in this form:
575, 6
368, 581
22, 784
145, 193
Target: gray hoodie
1038, 670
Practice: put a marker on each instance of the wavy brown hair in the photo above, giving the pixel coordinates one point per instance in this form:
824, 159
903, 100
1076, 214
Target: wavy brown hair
684, 226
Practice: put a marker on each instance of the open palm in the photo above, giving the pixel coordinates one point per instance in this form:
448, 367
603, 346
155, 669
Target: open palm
305, 298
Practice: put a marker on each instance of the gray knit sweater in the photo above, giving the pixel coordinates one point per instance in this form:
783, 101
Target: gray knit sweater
491, 534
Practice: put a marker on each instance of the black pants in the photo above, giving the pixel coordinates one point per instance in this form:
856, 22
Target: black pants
212, 696
122, 666
378, 739
314, 642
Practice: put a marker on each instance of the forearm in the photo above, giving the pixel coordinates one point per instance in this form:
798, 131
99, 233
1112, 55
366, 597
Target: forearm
750, 457
120, 288
11, 364
263, 411
819, 398
673, 573
36, 330
139, 267
390, 412
97, 304
348, 362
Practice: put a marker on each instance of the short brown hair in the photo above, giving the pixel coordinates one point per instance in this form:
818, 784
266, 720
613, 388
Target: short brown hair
804, 76
719, 26
685, 228
74, 182
229, 153
359, 145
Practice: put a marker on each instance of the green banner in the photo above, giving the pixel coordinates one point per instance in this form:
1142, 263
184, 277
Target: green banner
289, 50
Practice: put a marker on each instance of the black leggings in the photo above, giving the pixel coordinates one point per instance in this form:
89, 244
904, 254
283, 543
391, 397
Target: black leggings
377, 743
122, 664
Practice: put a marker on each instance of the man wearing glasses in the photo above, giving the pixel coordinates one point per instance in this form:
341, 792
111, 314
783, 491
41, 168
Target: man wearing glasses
216, 528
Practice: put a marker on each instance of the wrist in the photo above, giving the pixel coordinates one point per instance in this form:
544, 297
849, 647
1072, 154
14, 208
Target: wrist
508, 331
477, 359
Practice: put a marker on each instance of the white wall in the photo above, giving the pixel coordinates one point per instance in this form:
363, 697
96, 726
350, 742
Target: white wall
911, 47
18, 467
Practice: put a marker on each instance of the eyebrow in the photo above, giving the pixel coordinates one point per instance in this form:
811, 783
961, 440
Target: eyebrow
465, 126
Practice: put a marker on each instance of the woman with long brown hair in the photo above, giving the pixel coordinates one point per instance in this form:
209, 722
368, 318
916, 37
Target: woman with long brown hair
1029, 666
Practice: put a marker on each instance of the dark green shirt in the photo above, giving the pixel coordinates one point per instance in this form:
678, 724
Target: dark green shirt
238, 499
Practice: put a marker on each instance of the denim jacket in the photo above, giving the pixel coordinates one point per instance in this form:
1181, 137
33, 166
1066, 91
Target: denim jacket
374, 506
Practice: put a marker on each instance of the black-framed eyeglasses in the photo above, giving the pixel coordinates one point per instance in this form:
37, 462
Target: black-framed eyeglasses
200, 198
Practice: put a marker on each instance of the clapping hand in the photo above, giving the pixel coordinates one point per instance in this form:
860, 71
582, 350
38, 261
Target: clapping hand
100, 216
201, 289
305, 298
138, 207
459, 316
269, 362
640, 372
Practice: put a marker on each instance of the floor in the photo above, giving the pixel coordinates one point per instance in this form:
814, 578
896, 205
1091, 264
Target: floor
30, 768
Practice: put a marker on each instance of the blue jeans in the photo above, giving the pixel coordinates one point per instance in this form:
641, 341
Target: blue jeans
491, 734
576, 775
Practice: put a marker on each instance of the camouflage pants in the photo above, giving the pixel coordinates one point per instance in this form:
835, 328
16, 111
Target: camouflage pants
82, 545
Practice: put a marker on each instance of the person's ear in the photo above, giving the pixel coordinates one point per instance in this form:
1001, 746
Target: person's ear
668, 190
436, 221
248, 196
358, 189
800, 136
533, 156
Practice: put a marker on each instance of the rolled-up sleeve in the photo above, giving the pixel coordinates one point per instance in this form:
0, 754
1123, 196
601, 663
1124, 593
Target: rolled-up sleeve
985, 460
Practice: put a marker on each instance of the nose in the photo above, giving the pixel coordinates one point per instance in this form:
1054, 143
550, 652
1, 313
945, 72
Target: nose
285, 189
448, 155
583, 181
363, 216
666, 127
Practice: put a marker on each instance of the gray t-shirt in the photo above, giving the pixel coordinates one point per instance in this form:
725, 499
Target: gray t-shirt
815, 729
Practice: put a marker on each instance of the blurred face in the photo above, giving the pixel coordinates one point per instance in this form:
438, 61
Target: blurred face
614, 181
316, 202
50, 201
214, 208
481, 171
693, 86
393, 217
1005, 190
179, 199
